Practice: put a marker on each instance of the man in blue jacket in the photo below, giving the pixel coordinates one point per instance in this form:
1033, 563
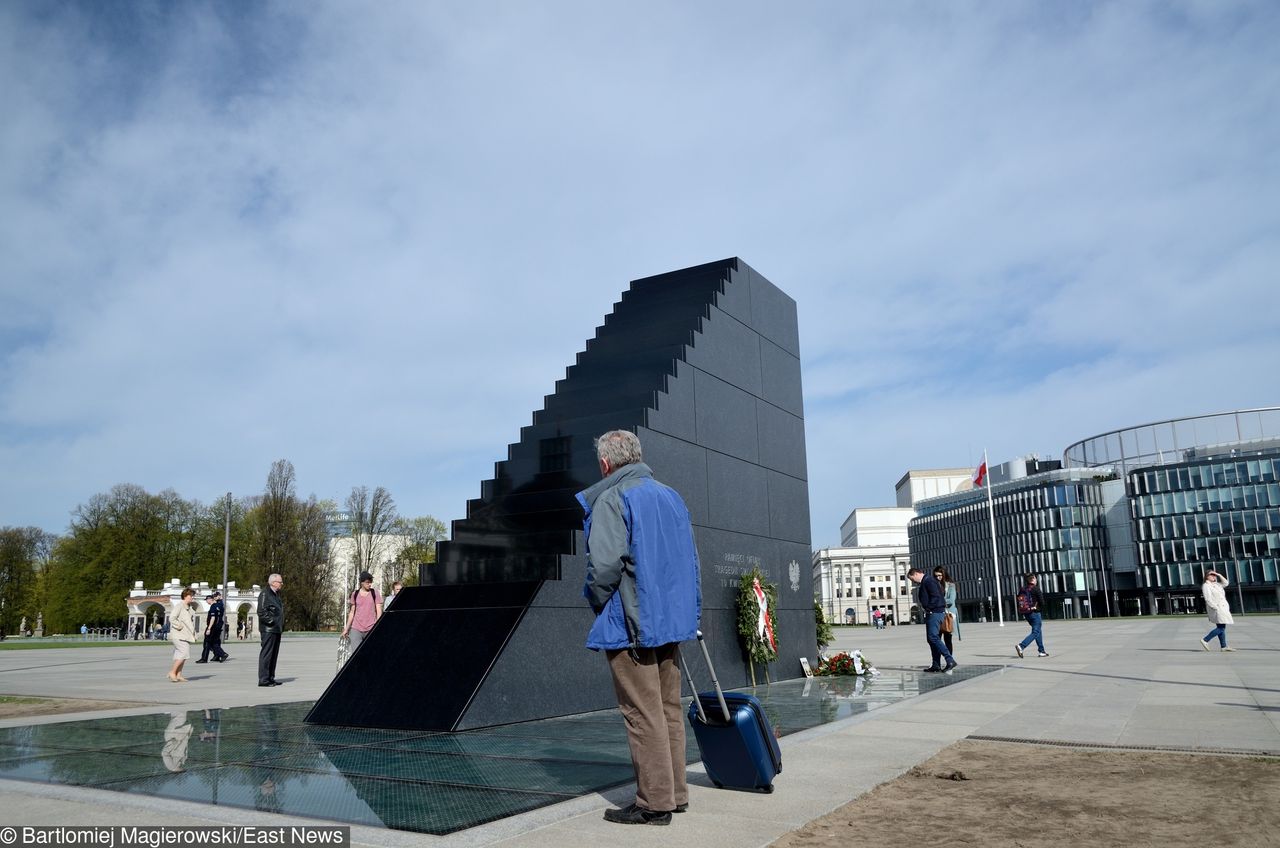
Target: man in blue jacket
934, 603
643, 584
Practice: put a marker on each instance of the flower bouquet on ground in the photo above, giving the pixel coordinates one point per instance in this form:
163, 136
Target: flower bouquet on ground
846, 664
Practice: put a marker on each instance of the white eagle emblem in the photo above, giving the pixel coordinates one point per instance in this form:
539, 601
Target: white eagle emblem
793, 570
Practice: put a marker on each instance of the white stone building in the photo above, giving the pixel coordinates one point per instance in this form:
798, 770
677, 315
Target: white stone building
148, 607
869, 570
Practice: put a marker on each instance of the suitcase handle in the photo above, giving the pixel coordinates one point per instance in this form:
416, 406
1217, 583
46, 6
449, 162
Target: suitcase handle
693, 687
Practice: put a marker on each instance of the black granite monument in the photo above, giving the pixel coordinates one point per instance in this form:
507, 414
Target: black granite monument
703, 365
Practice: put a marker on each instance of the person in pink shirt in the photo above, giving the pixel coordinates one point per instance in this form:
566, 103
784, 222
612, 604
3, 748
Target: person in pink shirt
364, 608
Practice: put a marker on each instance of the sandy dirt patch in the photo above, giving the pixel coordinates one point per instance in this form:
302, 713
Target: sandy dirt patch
1011, 795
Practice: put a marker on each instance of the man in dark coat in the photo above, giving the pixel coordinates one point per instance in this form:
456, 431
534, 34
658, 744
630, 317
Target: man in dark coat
271, 626
213, 630
934, 603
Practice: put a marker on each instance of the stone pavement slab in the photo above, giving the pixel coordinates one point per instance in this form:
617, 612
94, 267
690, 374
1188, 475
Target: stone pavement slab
1122, 682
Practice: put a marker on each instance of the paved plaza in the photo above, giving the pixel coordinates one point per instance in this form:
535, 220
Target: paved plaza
1132, 683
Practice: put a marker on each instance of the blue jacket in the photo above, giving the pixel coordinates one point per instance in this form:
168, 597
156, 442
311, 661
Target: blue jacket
930, 595
642, 566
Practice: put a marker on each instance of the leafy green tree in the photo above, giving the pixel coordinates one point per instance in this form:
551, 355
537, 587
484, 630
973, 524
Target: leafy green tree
128, 534
114, 539
23, 553
823, 627
423, 534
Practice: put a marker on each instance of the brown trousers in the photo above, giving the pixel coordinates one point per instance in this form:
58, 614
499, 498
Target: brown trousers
649, 698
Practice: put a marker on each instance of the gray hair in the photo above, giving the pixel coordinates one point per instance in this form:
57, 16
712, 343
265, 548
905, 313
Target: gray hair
619, 448
274, 576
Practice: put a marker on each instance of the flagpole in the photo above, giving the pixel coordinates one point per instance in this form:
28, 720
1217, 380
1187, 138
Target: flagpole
995, 556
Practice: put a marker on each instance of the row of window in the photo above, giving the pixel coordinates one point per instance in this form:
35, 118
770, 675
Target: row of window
1212, 548
1207, 500
1211, 524
1237, 571
1185, 518
883, 593
1204, 476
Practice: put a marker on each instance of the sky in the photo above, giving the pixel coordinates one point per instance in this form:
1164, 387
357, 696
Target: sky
369, 237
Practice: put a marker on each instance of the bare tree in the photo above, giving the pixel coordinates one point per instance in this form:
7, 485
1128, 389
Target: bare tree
277, 525
373, 522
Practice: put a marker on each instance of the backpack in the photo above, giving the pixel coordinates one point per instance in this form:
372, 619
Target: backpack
1026, 601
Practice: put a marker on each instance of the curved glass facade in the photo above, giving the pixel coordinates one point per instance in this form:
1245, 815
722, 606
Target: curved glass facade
1218, 513
1175, 440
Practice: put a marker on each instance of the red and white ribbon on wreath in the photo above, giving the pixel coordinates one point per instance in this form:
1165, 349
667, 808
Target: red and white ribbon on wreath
763, 625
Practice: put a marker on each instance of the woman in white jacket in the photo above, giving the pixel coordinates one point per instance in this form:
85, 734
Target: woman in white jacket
1215, 603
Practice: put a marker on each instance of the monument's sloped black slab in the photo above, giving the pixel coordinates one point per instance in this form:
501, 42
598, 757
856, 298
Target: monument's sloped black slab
703, 364
422, 664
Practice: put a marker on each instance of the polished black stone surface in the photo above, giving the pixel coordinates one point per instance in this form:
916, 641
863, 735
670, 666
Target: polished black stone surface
703, 364
268, 758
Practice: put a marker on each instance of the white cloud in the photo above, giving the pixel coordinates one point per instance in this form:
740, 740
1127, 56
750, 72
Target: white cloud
369, 239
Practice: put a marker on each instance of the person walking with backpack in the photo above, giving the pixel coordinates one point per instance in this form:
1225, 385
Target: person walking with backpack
1215, 603
364, 608
1030, 603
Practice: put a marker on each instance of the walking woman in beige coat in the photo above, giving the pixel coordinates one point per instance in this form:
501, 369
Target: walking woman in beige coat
1215, 603
182, 632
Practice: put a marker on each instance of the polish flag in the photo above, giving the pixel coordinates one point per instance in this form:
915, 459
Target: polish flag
980, 476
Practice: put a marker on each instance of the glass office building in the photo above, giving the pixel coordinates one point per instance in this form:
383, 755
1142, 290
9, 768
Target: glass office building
1051, 524
1204, 493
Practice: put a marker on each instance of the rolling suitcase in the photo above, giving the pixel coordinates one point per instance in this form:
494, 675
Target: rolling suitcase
737, 742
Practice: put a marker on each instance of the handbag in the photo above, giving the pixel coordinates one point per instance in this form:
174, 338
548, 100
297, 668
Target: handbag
947, 625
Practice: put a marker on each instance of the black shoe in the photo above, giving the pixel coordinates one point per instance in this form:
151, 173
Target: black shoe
266, 684
931, 668
223, 659
201, 661
681, 808
631, 814
951, 665
277, 683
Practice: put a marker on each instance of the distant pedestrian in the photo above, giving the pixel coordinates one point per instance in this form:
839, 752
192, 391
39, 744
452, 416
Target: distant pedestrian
951, 622
364, 608
84, 631
182, 632
1215, 604
877, 618
1030, 605
213, 630
934, 603
395, 590
271, 626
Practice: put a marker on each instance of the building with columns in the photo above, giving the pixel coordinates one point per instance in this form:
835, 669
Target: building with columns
148, 607
869, 571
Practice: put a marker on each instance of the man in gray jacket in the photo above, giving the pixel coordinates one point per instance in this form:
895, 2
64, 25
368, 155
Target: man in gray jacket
643, 585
